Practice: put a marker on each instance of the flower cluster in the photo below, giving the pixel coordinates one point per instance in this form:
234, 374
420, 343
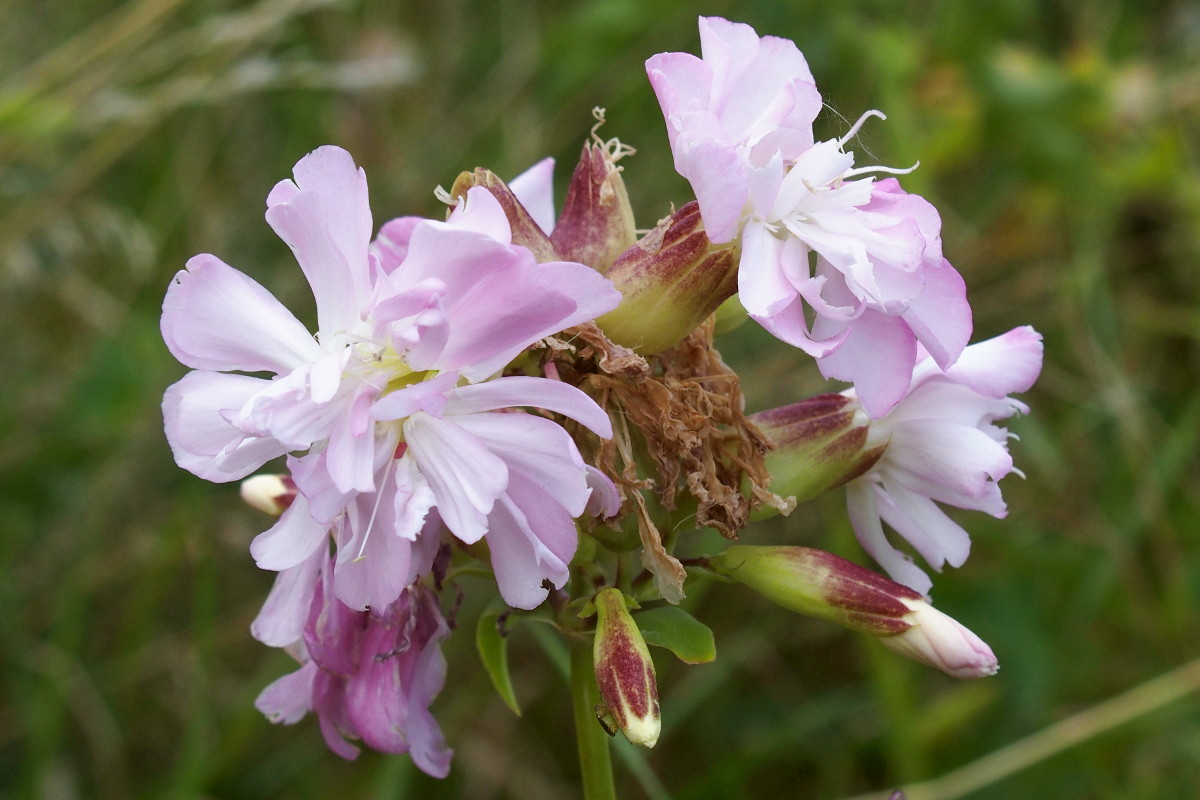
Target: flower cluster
491, 387
815, 231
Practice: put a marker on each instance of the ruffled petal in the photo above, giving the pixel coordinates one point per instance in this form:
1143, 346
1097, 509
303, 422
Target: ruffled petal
940, 316
391, 244
537, 448
498, 300
281, 620
291, 540
466, 478
203, 441
918, 518
535, 189
217, 318
1003, 365
963, 459
430, 396
876, 355
525, 530
864, 517
520, 390
325, 218
289, 698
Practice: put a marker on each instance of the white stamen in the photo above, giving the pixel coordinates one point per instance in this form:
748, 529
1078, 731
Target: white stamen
850, 173
375, 509
854, 128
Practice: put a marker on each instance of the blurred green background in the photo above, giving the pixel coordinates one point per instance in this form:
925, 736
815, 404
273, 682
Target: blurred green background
1058, 139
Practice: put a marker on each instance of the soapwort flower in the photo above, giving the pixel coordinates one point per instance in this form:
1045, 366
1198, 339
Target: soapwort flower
815, 231
396, 399
942, 445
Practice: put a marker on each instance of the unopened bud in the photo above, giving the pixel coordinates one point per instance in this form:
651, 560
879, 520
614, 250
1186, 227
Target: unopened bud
820, 584
941, 641
625, 671
820, 443
270, 494
670, 282
596, 224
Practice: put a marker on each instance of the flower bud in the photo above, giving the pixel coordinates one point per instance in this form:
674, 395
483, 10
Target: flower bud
941, 641
596, 224
823, 585
270, 494
670, 282
624, 670
820, 443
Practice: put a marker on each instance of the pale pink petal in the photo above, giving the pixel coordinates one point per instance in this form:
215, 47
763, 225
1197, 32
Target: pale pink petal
960, 458
373, 563
535, 189
407, 301
466, 478
325, 218
864, 517
350, 454
876, 355
288, 699
940, 315
520, 390
1003, 365
939, 397
285, 409
413, 501
391, 244
682, 83
429, 396
311, 475
201, 438
919, 516
605, 501
769, 274
720, 181
481, 212
281, 620
291, 540
509, 307
537, 448
217, 318
763, 289
522, 537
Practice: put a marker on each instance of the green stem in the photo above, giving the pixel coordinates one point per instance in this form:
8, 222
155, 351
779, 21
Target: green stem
594, 762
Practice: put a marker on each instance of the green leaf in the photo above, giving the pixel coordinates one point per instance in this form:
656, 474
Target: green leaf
493, 651
679, 632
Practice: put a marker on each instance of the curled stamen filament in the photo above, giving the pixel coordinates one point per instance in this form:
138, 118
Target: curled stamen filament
850, 173
859, 123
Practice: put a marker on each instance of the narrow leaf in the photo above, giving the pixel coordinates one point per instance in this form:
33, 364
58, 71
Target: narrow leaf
493, 651
678, 631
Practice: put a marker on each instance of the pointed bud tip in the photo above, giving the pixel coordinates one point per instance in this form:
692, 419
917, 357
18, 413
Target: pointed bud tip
940, 641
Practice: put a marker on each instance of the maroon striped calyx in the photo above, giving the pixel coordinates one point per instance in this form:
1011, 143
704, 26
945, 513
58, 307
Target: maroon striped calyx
624, 670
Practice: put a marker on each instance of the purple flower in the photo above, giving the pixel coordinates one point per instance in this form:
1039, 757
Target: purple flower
394, 399
368, 675
740, 124
943, 446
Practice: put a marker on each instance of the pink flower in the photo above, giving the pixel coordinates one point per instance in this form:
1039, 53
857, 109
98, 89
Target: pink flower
394, 400
740, 123
368, 675
943, 447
